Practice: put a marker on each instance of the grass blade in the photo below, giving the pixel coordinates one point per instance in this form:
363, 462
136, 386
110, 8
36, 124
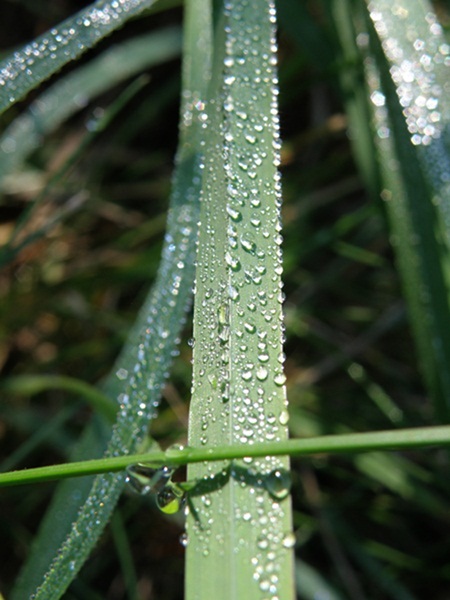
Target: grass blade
35, 384
74, 91
411, 115
238, 525
385, 441
144, 364
39, 60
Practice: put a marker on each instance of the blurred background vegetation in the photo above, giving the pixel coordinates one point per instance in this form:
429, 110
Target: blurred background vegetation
86, 216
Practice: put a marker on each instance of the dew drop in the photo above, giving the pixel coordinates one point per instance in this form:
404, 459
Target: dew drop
278, 483
232, 262
280, 379
262, 373
144, 478
212, 380
233, 213
284, 417
170, 499
288, 540
233, 293
248, 244
249, 327
122, 374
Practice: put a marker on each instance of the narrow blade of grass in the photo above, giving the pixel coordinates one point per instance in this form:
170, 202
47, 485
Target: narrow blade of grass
35, 384
354, 94
408, 90
143, 366
239, 521
77, 89
27, 68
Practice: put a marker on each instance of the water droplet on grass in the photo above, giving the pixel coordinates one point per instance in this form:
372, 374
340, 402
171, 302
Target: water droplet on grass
278, 483
280, 379
144, 478
171, 499
262, 373
288, 540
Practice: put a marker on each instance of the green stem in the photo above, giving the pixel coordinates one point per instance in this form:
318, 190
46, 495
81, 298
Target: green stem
405, 439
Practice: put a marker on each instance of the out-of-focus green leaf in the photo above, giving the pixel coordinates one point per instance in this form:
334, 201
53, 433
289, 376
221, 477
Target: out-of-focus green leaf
409, 74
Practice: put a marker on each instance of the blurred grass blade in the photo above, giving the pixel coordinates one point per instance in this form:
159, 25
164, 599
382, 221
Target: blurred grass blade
35, 384
239, 522
409, 92
354, 93
314, 41
311, 585
77, 89
27, 68
144, 365
51, 432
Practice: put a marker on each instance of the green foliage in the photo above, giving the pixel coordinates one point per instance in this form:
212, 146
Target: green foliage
84, 173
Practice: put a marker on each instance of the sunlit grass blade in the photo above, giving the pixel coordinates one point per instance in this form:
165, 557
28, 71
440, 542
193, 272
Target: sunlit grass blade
239, 521
27, 68
411, 118
77, 89
143, 367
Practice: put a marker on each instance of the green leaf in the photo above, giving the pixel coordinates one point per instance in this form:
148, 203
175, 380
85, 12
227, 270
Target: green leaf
144, 364
408, 87
77, 89
239, 521
35, 384
27, 68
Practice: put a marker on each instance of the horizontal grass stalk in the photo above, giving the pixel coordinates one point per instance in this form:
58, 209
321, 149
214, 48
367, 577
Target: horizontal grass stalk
375, 441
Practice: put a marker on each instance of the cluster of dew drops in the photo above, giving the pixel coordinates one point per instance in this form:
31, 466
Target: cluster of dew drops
149, 478
146, 478
65, 42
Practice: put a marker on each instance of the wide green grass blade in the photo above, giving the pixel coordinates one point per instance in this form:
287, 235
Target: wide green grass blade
77, 89
27, 68
239, 520
411, 112
143, 367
